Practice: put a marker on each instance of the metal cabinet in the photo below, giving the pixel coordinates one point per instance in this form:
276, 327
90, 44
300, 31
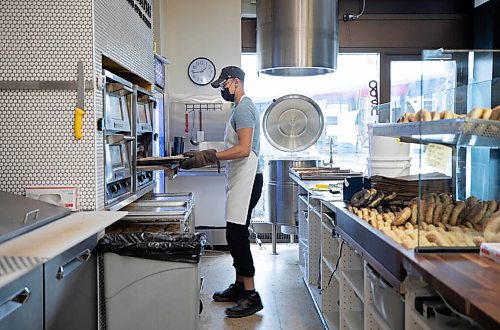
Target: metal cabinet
21, 302
70, 282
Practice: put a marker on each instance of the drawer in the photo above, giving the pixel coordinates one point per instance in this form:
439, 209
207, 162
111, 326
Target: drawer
21, 302
70, 281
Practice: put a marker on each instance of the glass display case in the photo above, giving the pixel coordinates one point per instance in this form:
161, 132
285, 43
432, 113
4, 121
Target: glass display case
451, 203
457, 131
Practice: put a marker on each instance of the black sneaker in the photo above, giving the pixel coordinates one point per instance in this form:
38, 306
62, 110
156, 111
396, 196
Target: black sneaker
231, 294
246, 306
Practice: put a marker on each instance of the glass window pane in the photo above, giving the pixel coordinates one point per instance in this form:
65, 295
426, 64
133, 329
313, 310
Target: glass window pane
344, 97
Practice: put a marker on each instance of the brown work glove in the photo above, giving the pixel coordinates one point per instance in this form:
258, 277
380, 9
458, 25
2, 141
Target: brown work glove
199, 159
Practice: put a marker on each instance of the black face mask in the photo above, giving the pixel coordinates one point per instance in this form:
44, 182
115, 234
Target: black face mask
226, 95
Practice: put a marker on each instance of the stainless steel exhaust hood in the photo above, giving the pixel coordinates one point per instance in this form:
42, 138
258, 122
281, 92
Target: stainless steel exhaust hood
297, 37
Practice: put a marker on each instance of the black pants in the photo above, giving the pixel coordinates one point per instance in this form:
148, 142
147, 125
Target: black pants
237, 235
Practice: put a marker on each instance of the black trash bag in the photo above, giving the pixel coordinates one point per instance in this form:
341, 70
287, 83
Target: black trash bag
157, 246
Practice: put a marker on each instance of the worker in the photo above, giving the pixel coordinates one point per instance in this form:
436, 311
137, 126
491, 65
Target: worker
243, 188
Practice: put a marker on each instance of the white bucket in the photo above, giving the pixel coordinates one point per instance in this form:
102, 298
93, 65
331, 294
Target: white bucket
389, 166
383, 146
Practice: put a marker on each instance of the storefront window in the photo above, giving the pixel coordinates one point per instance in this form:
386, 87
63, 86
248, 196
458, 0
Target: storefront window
344, 97
413, 90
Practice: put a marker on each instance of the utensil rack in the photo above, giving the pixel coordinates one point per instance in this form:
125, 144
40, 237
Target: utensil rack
190, 107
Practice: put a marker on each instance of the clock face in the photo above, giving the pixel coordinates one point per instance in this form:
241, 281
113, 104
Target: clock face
201, 71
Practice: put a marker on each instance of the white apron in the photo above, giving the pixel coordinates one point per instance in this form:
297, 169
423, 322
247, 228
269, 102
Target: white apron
240, 174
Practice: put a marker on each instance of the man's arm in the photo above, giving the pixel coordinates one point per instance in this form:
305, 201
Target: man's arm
242, 149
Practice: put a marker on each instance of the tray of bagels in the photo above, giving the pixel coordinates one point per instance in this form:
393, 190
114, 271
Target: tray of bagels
434, 220
479, 121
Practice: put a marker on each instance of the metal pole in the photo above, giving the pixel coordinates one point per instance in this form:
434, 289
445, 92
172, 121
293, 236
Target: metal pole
292, 241
273, 238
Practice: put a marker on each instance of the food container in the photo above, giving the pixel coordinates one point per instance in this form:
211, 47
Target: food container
389, 166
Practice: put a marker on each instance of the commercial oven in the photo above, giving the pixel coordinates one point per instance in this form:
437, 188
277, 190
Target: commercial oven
118, 137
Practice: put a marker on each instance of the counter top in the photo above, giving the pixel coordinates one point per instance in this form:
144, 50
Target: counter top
44, 243
467, 280
323, 194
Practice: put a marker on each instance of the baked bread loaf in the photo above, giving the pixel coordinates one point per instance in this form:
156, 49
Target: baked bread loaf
492, 228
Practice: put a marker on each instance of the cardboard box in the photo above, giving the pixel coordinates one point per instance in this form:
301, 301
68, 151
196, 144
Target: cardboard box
56, 195
490, 250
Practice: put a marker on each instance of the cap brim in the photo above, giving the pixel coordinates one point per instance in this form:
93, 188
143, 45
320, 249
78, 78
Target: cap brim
217, 83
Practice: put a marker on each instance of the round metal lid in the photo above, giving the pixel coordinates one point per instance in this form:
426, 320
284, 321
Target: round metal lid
293, 123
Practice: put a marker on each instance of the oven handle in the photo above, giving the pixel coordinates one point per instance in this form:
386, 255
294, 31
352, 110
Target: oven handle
120, 139
13, 303
67, 268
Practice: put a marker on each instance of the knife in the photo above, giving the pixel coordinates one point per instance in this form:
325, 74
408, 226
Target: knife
80, 101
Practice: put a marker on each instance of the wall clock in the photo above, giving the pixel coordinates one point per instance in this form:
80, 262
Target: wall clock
201, 71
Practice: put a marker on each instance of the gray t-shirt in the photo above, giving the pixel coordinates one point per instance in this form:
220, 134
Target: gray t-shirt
245, 115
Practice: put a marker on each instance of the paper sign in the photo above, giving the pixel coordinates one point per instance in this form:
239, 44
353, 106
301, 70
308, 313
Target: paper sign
56, 195
438, 156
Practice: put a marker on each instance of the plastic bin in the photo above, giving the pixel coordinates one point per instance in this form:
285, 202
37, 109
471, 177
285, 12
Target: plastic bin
382, 146
151, 280
387, 301
389, 167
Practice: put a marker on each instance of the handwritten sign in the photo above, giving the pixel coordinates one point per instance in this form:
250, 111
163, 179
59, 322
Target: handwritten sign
438, 156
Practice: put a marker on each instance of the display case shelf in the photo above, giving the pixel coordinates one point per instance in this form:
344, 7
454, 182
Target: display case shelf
355, 279
463, 131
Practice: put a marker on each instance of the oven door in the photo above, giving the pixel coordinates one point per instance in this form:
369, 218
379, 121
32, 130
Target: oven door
117, 164
116, 112
118, 170
145, 105
118, 93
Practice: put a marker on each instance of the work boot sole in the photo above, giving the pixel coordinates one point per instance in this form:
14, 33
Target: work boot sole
245, 313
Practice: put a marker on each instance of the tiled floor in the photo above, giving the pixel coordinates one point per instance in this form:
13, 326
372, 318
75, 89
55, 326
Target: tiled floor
287, 304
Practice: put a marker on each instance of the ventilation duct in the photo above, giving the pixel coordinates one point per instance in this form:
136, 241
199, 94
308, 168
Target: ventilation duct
297, 37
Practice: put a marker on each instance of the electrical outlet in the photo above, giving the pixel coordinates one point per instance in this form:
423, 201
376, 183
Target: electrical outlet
348, 17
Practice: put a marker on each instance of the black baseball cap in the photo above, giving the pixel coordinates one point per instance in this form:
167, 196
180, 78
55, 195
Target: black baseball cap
227, 73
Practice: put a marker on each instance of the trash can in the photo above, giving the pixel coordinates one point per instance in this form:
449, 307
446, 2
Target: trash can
151, 280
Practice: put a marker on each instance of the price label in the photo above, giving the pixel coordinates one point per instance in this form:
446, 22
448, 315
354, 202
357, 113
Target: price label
438, 156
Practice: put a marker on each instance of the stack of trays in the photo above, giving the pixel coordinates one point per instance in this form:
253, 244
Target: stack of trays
406, 187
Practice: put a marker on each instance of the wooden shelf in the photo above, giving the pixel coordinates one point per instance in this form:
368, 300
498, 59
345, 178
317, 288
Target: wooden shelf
355, 279
332, 320
354, 320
